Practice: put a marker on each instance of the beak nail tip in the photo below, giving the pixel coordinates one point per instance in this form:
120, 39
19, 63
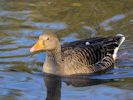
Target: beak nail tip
31, 50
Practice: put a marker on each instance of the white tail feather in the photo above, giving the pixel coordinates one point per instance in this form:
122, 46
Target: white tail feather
117, 48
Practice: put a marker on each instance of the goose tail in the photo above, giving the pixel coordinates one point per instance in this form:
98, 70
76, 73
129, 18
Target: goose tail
120, 39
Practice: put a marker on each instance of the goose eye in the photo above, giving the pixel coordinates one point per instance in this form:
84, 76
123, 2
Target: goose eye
48, 38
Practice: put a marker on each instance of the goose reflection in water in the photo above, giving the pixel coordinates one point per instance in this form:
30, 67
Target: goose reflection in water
54, 83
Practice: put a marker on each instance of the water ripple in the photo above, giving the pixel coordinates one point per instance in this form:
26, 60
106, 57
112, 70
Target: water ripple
41, 25
20, 15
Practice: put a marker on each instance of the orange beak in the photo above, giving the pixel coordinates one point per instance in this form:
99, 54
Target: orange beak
38, 46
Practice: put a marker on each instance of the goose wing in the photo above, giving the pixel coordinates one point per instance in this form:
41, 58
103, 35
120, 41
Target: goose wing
95, 53
97, 43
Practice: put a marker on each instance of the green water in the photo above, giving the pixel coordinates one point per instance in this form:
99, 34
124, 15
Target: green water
22, 21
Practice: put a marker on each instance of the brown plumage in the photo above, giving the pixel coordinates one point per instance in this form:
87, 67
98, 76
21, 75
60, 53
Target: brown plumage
84, 56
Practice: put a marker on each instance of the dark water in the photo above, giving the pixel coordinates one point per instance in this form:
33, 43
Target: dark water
21, 22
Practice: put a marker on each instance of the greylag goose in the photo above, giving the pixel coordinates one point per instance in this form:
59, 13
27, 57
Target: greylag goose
86, 56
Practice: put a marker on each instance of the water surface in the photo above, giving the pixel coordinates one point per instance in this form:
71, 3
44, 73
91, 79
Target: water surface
21, 22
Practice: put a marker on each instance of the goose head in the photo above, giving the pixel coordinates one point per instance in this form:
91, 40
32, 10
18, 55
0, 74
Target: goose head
47, 41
